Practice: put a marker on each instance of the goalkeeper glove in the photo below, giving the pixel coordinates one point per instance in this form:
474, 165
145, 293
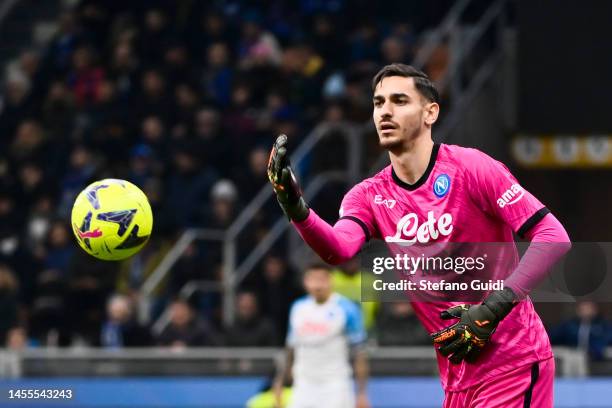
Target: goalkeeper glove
285, 184
466, 338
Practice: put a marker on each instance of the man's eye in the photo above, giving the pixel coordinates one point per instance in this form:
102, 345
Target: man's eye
377, 103
401, 101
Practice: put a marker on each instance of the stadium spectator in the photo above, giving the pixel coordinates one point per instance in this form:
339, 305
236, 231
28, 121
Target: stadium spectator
213, 147
85, 79
120, 329
154, 134
48, 324
142, 165
250, 180
8, 302
250, 329
123, 69
29, 142
223, 204
60, 248
393, 50
257, 47
218, 75
90, 282
188, 187
177, 66
17, 339
38, 223
156, 32
588, 331
12, 250
186, 329
277, 288
57, 111
153, 98
395, 320
83, 165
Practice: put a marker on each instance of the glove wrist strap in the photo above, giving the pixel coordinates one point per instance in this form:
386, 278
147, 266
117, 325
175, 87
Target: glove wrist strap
501, 302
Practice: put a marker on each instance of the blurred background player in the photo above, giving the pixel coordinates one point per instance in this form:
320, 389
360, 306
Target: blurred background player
446, 193
325, 333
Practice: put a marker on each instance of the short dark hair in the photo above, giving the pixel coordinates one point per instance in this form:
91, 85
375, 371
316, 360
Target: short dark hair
421, 81
317, 266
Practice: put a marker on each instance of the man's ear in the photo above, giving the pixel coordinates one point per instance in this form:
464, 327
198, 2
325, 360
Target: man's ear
431, 112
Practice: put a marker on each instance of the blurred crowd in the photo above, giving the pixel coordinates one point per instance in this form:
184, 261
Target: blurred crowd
183, 99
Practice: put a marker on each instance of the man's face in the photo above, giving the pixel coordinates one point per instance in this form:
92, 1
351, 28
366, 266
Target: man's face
180, 314
247, 306
400, 112
318, 284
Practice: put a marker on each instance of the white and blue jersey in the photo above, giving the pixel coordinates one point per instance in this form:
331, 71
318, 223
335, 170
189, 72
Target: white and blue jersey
321, 336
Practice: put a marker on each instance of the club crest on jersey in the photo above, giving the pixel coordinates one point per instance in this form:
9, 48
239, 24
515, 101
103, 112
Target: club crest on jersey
409, 231
511, 195
441, 185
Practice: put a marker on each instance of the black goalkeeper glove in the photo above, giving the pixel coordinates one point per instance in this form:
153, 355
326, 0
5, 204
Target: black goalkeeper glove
285, 184
466, 338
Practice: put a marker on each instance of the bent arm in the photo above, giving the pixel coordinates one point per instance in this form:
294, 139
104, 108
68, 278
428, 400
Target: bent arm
283, 375
549, 242
362, 370
334, 245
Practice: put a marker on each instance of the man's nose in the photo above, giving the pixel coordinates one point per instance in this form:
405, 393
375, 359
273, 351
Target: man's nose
386, 111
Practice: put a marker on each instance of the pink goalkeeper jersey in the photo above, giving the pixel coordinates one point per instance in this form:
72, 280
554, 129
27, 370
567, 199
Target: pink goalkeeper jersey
464, 196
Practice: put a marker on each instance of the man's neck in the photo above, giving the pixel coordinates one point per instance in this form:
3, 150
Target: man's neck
410, 163
323, 299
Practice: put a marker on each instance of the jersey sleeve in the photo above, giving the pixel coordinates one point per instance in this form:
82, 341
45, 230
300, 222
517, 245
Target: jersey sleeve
356, 208
498, 193
354, 330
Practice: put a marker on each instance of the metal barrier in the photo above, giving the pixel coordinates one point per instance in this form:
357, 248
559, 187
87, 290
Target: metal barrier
233, 271
49, 362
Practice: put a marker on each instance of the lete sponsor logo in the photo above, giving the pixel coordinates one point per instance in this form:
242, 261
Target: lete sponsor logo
409, 231
511, 196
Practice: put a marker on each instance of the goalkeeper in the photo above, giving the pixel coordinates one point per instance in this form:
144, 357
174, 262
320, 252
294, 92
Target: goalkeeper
495, 353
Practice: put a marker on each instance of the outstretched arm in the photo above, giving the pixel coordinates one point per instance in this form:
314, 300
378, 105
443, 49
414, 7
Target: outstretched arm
335, 244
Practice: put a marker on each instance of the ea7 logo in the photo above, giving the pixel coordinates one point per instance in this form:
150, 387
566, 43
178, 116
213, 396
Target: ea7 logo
381, 201
511, 196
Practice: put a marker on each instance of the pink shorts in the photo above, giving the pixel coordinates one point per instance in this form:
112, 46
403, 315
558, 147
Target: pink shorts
528, 386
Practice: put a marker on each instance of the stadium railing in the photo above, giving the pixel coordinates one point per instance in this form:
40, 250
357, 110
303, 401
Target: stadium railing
95, 362
233, 270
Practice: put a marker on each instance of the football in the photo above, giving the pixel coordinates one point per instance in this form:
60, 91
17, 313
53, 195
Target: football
112, 219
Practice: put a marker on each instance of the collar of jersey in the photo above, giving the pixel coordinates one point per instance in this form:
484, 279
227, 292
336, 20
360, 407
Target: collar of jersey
424, 177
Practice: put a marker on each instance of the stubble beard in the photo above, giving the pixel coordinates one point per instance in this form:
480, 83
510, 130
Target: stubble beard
398, 143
